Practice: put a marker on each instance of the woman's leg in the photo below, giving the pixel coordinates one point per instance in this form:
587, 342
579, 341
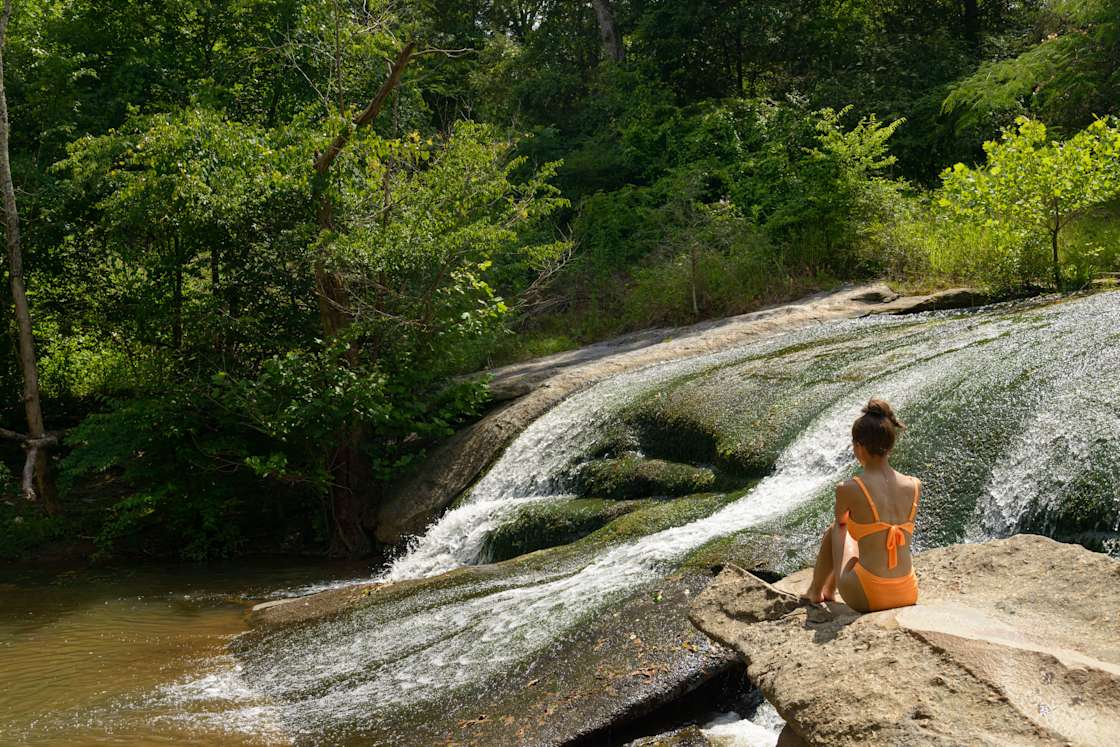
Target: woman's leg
823, 577
845, 578
851, 588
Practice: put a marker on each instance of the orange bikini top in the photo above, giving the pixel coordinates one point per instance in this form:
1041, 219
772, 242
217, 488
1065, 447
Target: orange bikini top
896, 533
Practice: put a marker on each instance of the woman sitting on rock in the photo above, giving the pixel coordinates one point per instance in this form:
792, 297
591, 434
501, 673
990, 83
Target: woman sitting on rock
866, 552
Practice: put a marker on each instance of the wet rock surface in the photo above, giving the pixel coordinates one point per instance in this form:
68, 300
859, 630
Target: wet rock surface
635, 477
610, 671
1014, 641
618, 668
539, 526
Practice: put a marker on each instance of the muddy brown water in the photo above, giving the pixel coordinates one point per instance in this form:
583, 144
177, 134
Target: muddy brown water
86, 655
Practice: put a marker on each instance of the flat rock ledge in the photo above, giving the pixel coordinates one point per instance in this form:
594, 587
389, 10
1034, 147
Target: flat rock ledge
1013, 642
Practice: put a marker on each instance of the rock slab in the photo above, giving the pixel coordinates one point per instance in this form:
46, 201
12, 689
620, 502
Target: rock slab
1013, 642
531, 388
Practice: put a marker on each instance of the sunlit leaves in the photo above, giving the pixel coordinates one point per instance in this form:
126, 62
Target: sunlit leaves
424, 228
1036, 185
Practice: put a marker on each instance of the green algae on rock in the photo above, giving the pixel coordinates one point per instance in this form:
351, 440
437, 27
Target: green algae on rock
632, 476
541, 525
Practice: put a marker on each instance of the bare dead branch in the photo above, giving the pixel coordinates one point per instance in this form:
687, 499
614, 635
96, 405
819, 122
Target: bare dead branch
452, 53
48, 439
532, 300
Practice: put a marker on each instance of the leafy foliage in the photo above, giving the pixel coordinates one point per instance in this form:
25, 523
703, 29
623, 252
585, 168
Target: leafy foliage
1065, 73
519, 194
1031, 185
212, 281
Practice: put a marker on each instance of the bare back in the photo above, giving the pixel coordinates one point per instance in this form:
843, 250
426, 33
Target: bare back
893, 494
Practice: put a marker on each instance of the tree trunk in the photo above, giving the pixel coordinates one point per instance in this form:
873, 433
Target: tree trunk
739, 60
351, 495
215, 272
694, 251
1057, 267
608, 31
351, 476
970, 15
37, 482
177, 298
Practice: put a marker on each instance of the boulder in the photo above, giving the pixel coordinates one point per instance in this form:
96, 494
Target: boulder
533, 387
1013, 641
948, 298
618, 668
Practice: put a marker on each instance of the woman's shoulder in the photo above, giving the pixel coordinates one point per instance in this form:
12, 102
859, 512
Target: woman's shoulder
848, 492
911, 481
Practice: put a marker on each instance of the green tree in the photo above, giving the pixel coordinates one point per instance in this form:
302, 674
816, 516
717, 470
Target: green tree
36, 472
1032, 184
207, 232
194, 218
1062, 70
814, 184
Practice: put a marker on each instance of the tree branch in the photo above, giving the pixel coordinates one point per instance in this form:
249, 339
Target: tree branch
324, 160
47, 439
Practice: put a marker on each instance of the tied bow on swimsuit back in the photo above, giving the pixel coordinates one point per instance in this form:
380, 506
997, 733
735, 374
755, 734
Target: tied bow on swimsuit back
896, 533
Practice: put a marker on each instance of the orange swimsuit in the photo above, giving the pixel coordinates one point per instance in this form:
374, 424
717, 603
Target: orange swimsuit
886, 593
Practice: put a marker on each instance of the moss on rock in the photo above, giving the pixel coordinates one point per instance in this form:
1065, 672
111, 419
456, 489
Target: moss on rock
635, 477
541, 525
741, 415
662, 515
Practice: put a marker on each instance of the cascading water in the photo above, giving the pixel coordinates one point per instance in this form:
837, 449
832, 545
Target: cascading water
987, 396
537, 465
1072, 435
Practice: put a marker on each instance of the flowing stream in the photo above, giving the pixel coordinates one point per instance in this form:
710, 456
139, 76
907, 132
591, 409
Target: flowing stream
1014, 426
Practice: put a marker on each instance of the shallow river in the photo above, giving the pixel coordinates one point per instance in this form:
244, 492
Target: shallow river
86, 654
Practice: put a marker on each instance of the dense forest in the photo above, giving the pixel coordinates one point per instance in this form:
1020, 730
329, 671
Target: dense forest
259, 242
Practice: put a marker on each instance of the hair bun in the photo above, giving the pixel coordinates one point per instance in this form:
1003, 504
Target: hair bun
880, 408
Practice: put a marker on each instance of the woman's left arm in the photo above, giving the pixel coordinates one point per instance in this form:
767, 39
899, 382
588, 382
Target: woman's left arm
841, 509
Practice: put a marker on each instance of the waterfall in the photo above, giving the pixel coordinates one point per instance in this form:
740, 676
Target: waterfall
417, 651
1072, 433
536, 466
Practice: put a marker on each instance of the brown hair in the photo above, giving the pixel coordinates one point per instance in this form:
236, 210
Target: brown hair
877, 428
